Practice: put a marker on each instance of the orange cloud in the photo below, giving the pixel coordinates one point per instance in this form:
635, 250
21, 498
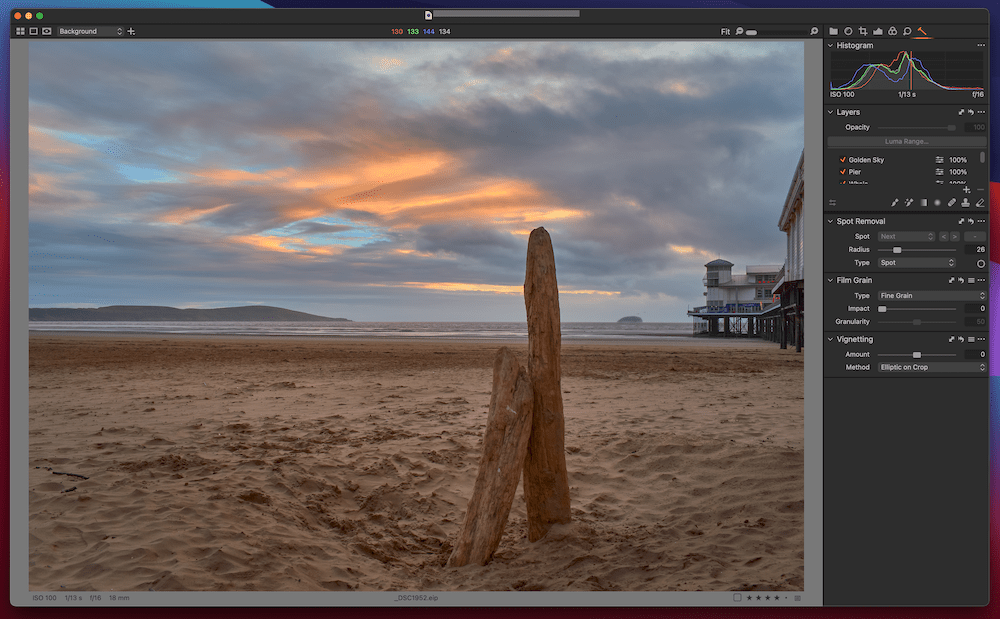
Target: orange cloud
387, 64
686, 89
461, 287
38, 183
414, 252
69, 198
270, 243
46, 145
402, 188
494, 288
504, 54
302, 212
222, 175
688, 250
604, 293
353, 176
405, 166
319, 179
188, 214
287, 244
468, 84
496, 200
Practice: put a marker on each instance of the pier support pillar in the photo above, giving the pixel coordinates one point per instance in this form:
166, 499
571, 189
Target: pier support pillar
800, 306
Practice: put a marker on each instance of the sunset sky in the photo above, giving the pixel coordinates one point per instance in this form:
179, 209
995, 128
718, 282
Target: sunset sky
398, 181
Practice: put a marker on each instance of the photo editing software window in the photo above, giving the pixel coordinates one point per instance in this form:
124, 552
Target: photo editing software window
410, 308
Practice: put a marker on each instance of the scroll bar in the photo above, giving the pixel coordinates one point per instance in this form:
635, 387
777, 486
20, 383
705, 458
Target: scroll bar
501, 13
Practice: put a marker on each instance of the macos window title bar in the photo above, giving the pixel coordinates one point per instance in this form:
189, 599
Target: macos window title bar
484, 23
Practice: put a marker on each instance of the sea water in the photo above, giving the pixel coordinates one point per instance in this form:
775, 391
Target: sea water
386, 330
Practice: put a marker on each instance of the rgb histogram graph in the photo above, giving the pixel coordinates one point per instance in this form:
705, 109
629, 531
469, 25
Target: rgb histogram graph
948, 71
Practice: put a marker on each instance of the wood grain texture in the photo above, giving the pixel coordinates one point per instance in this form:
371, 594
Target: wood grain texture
546, 487
505, 446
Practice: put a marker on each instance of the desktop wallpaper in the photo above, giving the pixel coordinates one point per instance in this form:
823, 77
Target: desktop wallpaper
636, 612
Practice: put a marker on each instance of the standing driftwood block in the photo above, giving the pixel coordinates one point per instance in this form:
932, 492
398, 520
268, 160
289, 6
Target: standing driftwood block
505, 445
546, 487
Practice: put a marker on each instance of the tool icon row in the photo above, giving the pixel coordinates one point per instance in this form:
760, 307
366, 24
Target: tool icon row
965, 203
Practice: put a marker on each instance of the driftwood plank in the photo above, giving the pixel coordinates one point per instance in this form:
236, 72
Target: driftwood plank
505, 444
546, 486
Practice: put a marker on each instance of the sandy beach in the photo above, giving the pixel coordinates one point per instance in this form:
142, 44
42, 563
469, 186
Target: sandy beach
227, 463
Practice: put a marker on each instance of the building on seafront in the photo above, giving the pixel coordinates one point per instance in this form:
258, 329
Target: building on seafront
790, 287
768, 301
736, 305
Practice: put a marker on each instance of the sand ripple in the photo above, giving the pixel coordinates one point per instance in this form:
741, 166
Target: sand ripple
306, 465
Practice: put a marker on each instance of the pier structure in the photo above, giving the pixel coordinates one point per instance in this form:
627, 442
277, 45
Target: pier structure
740, 305
769, 300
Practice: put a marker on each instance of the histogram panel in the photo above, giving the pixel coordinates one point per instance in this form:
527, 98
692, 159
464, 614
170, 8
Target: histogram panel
960, 71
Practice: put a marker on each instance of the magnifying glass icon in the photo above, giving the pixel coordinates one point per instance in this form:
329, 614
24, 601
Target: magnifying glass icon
814, 31
907, 31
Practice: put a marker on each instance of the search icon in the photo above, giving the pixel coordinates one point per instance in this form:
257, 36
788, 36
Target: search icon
907, 31
739, 30
814, 31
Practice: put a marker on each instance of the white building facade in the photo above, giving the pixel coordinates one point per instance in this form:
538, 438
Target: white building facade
791, 223
729, 292
791, 285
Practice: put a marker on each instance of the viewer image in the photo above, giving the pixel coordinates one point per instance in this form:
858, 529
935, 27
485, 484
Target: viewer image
269, 280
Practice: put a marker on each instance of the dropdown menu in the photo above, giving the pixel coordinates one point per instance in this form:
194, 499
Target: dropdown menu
916, 263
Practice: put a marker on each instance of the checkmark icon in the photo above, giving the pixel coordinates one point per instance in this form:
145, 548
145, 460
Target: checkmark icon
844, 170
843, 159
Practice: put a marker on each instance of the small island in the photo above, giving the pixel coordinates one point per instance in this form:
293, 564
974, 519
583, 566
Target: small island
630, 319
153, 313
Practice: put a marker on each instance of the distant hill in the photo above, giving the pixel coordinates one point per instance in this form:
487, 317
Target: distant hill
153, 313
630, 319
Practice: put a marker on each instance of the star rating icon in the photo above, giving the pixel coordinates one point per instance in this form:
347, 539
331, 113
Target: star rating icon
766, 598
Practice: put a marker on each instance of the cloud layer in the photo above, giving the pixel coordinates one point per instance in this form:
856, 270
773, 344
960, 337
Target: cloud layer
399, 180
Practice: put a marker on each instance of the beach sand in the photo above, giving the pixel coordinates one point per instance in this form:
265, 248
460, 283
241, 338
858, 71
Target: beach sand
322, 464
